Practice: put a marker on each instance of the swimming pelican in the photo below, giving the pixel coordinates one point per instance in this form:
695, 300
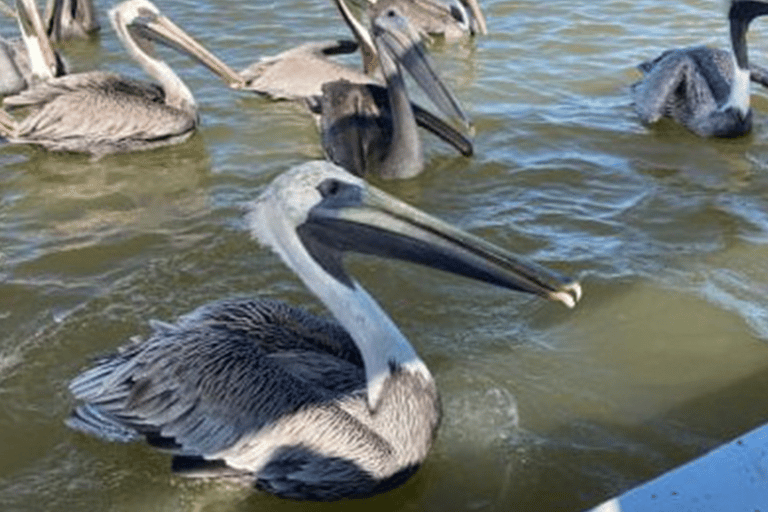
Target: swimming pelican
31, 58
452, 20
68, 19
300, 406
102, 113
368, 129
706, 90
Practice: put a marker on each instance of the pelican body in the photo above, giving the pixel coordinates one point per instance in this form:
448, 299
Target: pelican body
368, 129
101, 113
70, 19
706, 90
29, 59
297, 405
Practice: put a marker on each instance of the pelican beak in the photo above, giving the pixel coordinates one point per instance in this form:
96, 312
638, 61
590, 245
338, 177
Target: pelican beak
41, 57
162, 30
394, 35
354, 216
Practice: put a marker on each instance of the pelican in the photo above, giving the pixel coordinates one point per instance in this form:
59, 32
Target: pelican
704, 89
371, 130
68, 19
452, 20
31, 58
101, 113
297, 405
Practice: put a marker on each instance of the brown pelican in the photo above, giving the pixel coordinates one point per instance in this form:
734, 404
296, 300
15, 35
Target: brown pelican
102, 113
370, 129
451, 20
301, 406
31, 58
67, 19
706, 90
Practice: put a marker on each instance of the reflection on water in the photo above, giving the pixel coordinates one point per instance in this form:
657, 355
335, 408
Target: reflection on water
545, 408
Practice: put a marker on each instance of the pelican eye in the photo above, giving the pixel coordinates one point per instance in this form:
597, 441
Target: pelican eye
340, 193
329, 187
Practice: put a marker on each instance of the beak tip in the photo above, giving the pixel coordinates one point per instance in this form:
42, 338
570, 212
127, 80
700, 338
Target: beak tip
569, 295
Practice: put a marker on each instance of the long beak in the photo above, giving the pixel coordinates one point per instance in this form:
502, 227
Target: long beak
164, 31
363, 219
394, 34
41, 57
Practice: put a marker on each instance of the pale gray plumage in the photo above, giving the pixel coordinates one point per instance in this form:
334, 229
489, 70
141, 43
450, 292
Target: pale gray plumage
300, 72
300, 406
70, 19
101, 113
704, 89
368, 129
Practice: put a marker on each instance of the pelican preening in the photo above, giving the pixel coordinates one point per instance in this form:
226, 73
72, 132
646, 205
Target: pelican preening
29, 59
370, 130
704, 89
67, 19
101, 113
297, 405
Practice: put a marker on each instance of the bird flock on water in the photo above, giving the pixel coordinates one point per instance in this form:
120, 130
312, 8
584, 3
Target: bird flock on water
256, 390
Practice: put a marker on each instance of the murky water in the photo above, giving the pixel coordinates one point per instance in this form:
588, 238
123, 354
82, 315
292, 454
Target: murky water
545, 408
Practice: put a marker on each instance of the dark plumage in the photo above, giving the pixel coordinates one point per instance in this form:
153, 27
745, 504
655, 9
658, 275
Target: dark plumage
704, 89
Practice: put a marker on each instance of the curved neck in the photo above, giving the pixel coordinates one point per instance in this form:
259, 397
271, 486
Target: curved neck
404, 156
383, 347
177, 94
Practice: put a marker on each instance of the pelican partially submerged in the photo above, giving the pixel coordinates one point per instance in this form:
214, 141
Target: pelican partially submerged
31, 58
101, 113
70, 19
704, 89
369, 129
297, 405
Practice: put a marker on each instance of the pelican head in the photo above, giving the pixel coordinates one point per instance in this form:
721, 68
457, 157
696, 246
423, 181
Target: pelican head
394, 35
328, 211
139, 23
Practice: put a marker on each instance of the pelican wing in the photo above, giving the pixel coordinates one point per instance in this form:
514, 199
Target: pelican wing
300, 72
98, 113
680, 83
208, 385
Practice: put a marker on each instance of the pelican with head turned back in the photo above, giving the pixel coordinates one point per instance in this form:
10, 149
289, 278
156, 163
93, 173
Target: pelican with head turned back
300, 406
368, 129
29, 59
704, 89
70, 19
102, 113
